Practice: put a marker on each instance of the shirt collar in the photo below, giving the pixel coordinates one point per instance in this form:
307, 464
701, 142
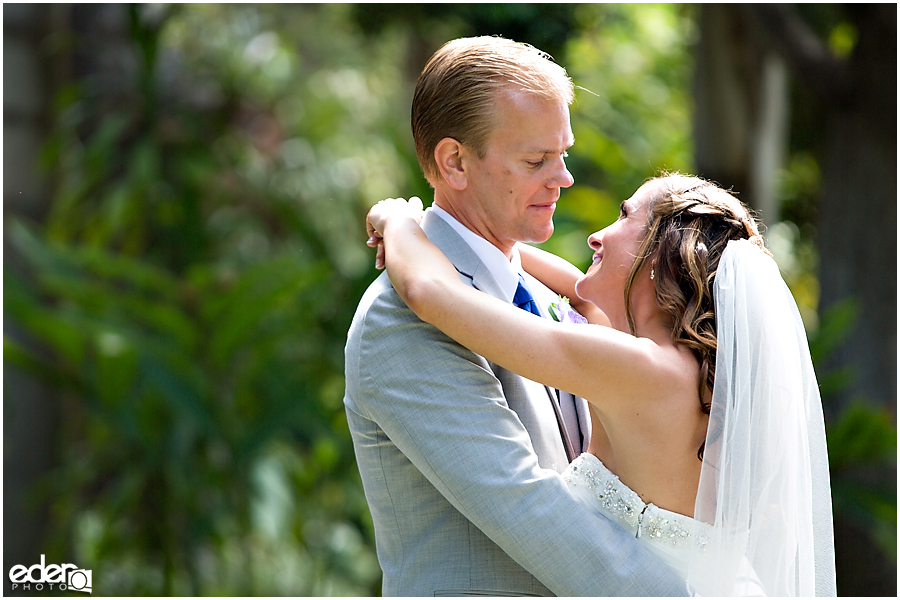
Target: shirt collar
505, 271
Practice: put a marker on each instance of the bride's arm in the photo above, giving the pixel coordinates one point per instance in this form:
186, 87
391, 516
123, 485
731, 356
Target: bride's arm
590, 361
560, 276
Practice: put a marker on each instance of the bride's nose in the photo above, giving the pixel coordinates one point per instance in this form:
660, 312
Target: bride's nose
594, 240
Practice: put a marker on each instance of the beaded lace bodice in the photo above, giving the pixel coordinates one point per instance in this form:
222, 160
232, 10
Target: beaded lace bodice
668, 535
672, 533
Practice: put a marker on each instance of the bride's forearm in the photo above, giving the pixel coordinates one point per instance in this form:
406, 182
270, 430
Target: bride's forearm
560, 276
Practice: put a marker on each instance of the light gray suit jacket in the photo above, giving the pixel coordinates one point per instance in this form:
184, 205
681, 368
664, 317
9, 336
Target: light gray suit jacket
460, 462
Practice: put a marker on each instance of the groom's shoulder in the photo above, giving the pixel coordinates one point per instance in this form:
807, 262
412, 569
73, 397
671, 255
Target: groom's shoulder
382, 310
382, 313
379, 297
380, 286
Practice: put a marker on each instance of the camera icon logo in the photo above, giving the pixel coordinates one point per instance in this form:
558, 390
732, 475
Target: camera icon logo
80, 580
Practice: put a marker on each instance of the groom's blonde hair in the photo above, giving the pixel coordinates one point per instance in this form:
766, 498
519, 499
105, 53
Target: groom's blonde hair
457, 91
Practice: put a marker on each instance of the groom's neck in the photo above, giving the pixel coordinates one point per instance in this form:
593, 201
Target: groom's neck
465, 210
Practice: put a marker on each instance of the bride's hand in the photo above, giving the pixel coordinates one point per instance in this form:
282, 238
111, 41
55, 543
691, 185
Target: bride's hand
379, 215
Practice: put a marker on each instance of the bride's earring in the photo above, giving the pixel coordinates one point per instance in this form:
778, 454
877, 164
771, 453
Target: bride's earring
652, 274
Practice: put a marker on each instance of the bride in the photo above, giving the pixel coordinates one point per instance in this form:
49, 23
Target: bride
708, 439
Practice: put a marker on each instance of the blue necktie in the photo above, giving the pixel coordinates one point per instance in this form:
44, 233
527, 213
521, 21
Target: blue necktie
523, 298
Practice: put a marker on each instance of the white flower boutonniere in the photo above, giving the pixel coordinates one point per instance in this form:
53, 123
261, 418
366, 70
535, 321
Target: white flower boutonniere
563, 312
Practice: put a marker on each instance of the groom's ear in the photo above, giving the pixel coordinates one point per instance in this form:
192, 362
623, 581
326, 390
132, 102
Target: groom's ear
448, 154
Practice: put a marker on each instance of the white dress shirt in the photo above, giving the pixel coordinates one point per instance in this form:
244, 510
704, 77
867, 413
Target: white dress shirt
506, 272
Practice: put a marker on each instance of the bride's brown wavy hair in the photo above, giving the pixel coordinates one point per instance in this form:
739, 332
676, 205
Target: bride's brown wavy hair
690, 222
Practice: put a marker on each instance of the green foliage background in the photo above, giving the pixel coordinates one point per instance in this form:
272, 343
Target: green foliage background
193, 284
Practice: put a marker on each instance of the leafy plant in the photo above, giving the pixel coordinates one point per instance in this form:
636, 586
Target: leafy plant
190, 293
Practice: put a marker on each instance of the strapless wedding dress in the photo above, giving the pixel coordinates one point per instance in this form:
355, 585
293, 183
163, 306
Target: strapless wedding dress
668, 535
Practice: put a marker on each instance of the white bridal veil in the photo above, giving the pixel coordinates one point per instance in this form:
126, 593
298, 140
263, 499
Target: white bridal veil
764, 484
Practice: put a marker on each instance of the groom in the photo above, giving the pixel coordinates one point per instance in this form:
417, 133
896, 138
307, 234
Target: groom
459, 458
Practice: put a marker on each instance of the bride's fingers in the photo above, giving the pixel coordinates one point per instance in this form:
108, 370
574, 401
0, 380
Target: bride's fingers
416, 204
378, 215
379, 257
371, 228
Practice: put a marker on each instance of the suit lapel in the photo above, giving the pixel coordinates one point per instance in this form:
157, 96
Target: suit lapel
571, 453
441, 234
461, 255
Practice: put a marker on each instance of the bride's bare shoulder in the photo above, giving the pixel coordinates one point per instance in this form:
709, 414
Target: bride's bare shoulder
671, 371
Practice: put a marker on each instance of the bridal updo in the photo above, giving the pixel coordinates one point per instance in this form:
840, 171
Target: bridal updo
690, 222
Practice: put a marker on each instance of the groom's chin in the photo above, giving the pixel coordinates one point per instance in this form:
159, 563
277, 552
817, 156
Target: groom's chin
540, 234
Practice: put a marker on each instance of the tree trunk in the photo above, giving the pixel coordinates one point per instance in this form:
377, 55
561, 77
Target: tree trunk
30, 408
36, 65
741, 108
857, 235
857, 227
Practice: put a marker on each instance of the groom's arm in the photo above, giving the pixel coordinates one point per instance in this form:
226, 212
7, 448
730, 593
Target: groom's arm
560, 276
443, 408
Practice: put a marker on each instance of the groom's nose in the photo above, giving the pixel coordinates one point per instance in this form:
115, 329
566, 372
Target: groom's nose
564, 177
560, 175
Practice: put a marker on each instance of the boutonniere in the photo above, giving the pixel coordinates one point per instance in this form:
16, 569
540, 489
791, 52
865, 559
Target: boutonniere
562, 311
